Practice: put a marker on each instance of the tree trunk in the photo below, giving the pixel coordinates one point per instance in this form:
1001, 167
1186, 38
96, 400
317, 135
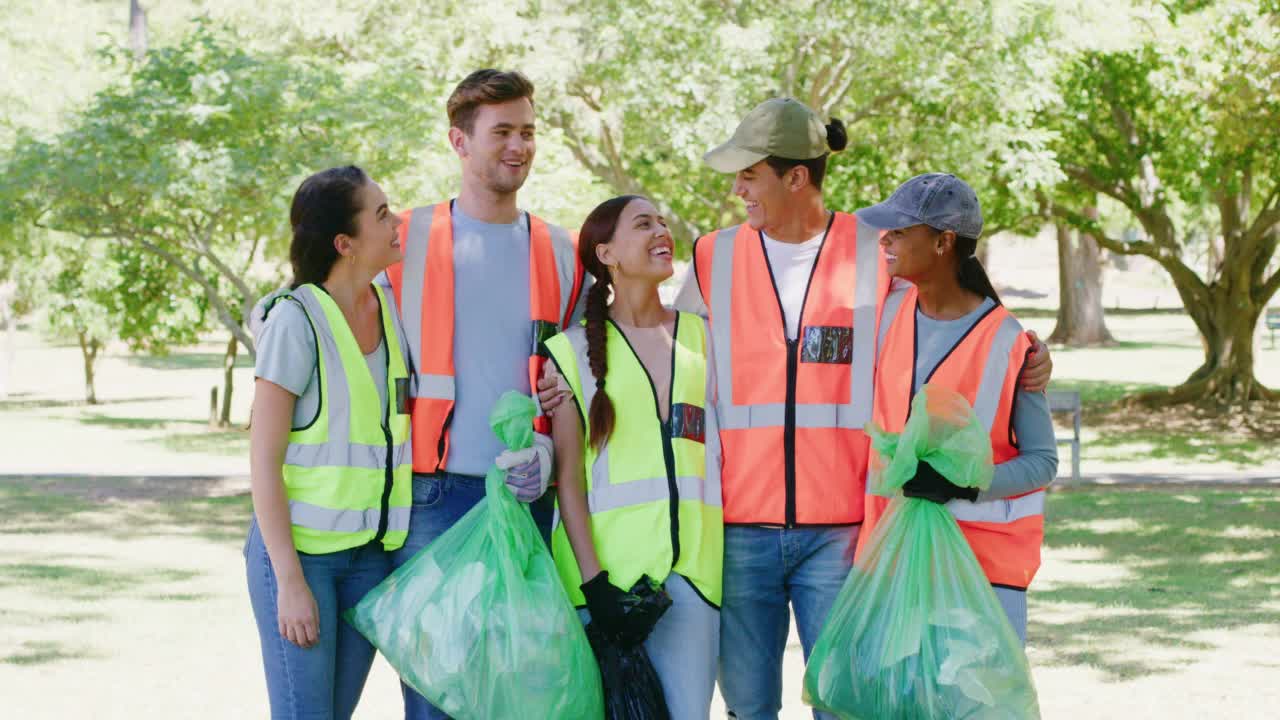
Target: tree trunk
1227, 323
137, 29
1080, 317
89, 348
228, 370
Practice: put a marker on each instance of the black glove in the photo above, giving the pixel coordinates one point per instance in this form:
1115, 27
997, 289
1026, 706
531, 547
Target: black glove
607, 605
930, 485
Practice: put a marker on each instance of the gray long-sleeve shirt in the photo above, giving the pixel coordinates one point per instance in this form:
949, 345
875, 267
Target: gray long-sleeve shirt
1037, 460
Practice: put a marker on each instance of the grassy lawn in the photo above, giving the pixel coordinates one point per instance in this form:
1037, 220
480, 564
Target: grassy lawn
102, 577
1139, 570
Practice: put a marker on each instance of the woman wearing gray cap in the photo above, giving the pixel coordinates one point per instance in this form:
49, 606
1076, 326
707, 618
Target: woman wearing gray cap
949, 329
793, 296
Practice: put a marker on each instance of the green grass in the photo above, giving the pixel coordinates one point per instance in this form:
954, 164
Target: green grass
187, 361
121, 508
44, 652
1096, 393
136, 423
1239, 451
232, 442
1187, 561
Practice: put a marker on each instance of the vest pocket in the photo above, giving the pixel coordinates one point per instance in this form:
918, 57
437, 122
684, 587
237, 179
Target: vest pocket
827, 344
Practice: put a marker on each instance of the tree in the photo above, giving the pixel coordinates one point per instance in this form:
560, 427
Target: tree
191, 157
1080, 316
1180, 134
98, 292
921, 86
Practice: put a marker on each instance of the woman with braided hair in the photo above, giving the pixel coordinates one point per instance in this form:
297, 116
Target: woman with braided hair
639, 491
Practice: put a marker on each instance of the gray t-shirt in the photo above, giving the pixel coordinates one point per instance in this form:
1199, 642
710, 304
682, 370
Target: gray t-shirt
492, 336
287, 357
1037, 461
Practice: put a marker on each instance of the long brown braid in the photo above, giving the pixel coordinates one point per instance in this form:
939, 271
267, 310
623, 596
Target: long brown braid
598, 229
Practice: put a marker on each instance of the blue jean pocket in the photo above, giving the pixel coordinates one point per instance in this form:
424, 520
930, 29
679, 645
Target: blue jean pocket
427, 491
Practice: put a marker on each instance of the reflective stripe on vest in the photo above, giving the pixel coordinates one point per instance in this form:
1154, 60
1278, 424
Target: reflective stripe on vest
424, 287
633, 496
347, 475
1005, 533
834, 370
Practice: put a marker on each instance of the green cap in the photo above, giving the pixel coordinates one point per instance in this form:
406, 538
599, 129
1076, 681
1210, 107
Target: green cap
782, 127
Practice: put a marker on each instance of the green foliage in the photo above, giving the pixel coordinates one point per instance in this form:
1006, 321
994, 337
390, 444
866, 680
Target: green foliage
191, 158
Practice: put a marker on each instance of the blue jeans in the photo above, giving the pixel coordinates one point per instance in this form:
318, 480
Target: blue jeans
1014, 603
439, 501
323, 681
683, 648
765, 570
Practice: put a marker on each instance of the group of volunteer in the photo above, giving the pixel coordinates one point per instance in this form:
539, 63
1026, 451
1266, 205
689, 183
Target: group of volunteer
717, 447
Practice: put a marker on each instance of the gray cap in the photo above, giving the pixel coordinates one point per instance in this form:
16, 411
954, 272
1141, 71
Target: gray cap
783, 127
940, 200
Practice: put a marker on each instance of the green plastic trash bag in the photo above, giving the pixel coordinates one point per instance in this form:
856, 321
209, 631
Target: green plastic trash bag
917, 632
478, 621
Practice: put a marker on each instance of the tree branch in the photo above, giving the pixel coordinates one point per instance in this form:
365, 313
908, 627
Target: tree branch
210, 291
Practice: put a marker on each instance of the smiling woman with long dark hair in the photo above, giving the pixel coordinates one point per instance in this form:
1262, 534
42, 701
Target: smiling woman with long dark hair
329, 445
639, 494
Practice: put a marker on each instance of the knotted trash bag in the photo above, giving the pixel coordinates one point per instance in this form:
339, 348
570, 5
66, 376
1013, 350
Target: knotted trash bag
916, 632
478, 621
632, 689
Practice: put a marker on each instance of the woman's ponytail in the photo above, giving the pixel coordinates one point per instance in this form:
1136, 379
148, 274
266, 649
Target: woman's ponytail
971, 274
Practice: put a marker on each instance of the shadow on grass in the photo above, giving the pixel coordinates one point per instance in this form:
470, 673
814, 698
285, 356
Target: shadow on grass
79, 582
49, 403
230, 442
43, 652
1094, 393
125, 508
187, 361
1189, 561
137, 423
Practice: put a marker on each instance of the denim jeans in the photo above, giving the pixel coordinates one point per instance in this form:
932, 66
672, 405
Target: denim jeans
1014, 603
323, 681
765, 571
439, 501
683, 648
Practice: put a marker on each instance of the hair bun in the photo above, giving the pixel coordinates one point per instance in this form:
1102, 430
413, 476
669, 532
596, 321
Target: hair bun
837, 137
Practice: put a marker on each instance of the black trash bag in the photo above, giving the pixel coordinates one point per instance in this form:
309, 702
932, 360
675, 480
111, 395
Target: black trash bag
632, 690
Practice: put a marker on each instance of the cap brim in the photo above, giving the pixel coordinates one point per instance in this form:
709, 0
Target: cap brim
883, 217
729, 158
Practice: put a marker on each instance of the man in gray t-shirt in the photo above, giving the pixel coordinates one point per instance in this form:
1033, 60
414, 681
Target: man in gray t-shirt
494, 248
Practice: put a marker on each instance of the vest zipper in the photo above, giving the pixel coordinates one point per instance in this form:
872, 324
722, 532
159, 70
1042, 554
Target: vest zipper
389, 479
789, 431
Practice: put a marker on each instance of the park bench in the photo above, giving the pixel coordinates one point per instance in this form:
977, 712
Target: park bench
1060, 401
1273, 323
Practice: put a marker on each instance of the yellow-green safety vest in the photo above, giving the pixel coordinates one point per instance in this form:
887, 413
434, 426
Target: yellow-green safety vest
655, 508
347, 472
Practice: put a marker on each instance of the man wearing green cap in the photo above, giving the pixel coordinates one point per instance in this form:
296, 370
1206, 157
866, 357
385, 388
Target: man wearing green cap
794, 297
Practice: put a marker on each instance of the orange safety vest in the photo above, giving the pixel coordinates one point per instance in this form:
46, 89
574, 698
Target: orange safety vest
423, 288
792, 411
1005, 533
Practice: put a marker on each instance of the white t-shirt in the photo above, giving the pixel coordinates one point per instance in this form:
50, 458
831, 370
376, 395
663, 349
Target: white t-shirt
792, 266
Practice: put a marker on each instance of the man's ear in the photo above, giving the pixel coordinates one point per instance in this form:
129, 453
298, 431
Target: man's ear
797, 178
458, 141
